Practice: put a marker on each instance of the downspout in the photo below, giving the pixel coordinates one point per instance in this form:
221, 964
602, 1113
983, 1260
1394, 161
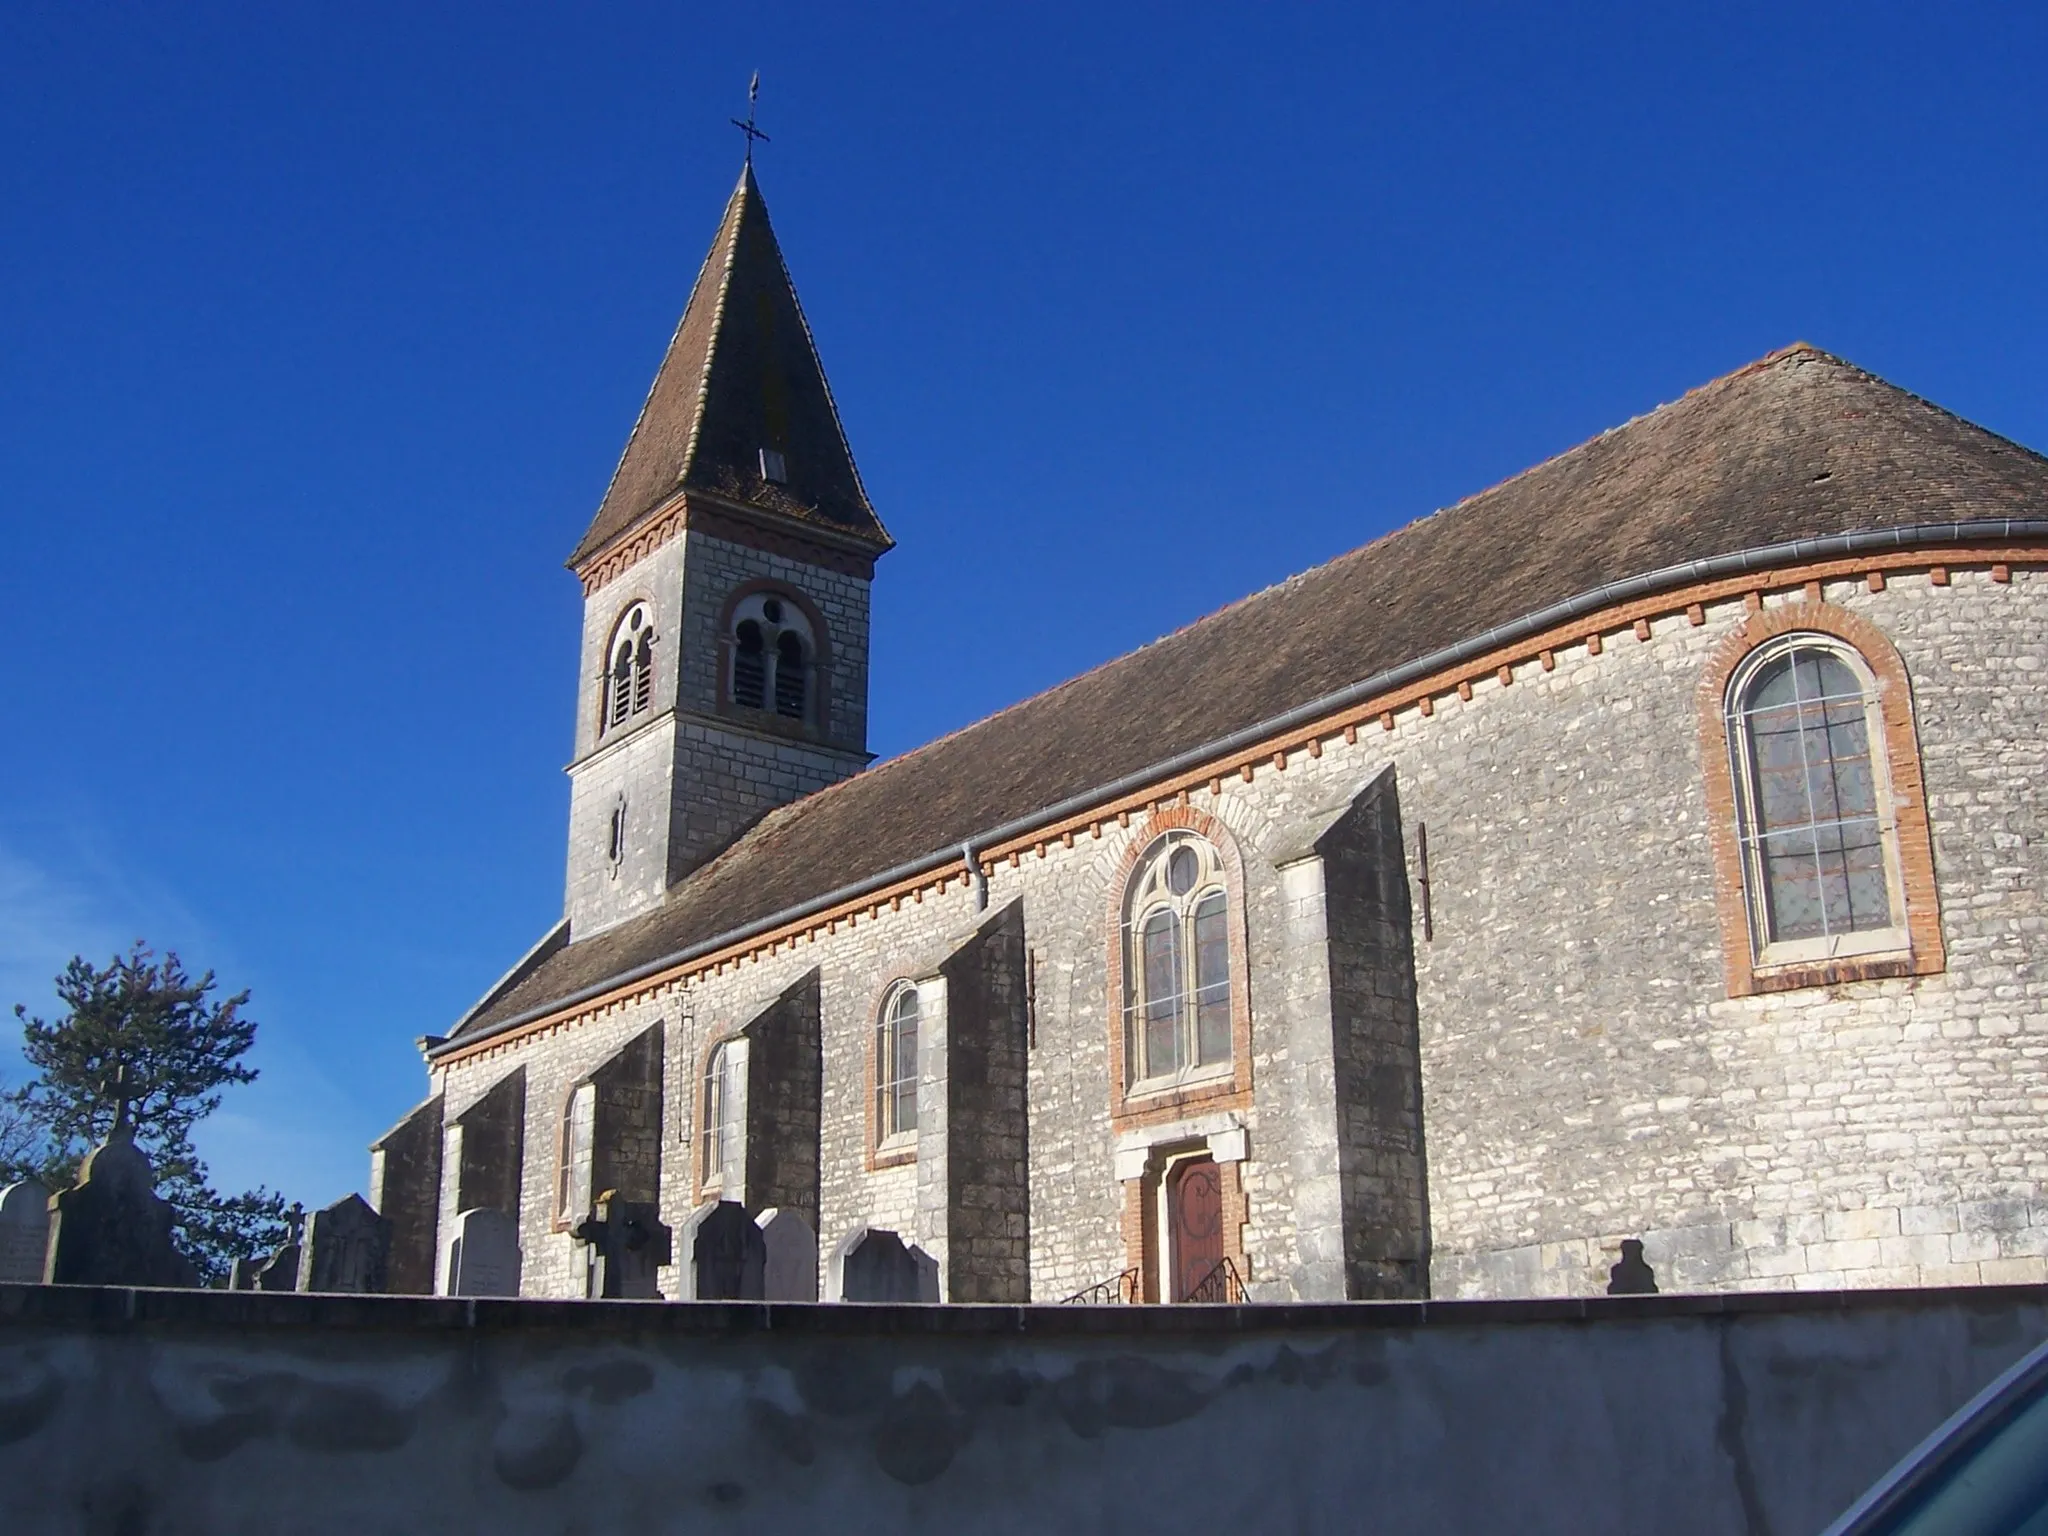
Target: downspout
976, 875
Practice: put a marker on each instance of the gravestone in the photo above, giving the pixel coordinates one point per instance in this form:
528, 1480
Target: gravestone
724, 1255
280, 1272
24, 1232
790, 1272
483, 1255
873, 1264
1633, 1275
110, 1228
627, 1241
242, 1276
347, 1248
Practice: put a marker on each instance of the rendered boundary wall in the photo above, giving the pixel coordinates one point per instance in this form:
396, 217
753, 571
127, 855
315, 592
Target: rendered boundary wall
158, 1413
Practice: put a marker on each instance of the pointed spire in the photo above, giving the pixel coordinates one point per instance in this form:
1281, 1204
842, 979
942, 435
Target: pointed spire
740, 407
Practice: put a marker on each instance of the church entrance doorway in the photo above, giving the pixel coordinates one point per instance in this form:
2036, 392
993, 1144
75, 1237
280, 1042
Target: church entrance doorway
1194, 1224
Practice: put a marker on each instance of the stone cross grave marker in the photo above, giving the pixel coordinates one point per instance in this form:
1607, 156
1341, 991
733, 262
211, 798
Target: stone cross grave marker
24, 1232
627, 1242
724, 1255
483, 1255
110, 1228
791, 1270
347, 1248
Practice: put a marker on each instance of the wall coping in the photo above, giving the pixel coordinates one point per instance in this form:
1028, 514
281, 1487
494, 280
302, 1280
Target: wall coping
119, 1309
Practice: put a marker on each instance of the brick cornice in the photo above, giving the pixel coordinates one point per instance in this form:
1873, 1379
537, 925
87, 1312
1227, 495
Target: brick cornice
721, 519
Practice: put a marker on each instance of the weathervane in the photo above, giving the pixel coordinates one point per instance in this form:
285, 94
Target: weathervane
748, 128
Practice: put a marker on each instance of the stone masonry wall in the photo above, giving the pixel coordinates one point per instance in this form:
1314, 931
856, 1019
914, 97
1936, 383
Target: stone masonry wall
782, 1103
716, 568
988, 1212
1378, 1065
1584, 1075
626, 1132
405, 1188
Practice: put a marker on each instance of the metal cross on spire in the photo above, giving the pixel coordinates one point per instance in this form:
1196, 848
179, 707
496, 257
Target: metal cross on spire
748, 128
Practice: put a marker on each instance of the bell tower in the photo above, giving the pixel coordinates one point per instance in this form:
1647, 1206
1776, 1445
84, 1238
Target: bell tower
725, 592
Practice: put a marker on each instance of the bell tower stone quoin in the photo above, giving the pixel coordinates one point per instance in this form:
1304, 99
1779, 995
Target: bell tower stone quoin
725, 580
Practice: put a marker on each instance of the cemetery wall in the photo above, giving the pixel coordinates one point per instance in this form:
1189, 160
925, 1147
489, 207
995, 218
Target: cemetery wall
203, 1412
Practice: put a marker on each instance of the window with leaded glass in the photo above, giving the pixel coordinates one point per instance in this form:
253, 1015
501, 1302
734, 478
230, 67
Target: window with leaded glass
896, 1067
1819, 853
579, 1126
1177, 964
725, 1113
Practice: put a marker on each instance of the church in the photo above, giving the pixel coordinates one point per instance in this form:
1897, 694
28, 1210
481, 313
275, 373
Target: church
1646, 850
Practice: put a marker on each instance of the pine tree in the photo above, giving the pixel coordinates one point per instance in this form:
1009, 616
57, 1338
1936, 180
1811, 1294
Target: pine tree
144, 1030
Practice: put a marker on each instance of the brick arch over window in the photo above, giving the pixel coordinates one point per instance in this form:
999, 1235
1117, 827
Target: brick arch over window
1905, 807
1230, 1090
817, 716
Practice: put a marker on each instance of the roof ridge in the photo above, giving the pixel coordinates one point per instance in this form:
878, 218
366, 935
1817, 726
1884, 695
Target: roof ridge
729, 233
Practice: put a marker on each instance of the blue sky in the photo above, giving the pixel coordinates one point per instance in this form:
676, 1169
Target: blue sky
321, 328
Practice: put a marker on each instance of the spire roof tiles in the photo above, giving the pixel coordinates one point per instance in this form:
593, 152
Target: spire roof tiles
741, 375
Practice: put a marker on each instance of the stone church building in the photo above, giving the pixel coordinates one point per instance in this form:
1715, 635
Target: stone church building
1650, 847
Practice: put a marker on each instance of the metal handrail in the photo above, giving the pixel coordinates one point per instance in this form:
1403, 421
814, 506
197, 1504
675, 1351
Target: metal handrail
1221, 1284
1118, 1290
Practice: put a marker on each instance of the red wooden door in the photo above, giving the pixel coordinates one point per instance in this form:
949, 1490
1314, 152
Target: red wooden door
1194, 1224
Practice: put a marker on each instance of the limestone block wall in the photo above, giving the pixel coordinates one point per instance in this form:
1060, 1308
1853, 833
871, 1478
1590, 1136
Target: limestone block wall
727, 776
405, 1189
716, 568
1583, 1074
1587, 1078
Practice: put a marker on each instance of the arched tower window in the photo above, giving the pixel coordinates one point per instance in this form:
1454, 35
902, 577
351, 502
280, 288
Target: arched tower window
1177, 1019
629, 668
1819, 845
896, 1065
774, 657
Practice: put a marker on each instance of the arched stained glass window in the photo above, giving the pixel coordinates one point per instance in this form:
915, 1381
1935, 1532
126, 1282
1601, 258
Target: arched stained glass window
579, 1128
1820, 865
1177, 963
725, 1113
896, 1065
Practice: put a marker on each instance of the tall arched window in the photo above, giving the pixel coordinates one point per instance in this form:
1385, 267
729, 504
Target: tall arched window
1177, 964
725, 1114
629, 668
896, 1066
574, 1196
1820, 860
774, 656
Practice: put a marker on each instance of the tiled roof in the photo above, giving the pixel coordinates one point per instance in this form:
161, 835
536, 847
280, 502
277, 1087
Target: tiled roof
1798, 445
741, 374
